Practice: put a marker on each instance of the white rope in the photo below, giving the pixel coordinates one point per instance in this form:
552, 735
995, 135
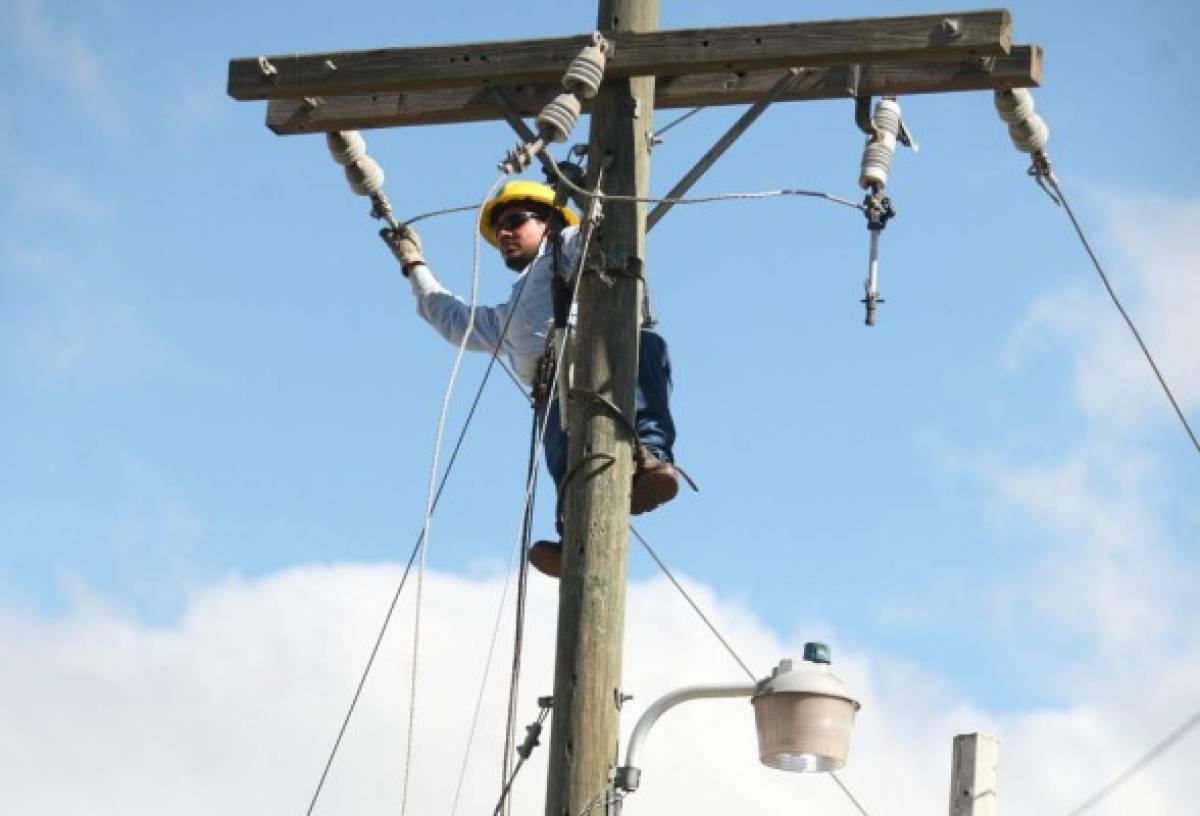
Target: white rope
487, 668
514, 559
429, 496
529, 487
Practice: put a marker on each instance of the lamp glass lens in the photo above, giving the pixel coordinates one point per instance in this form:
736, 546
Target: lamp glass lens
803, 732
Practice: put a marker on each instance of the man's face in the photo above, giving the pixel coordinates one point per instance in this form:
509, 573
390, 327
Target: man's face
518, 237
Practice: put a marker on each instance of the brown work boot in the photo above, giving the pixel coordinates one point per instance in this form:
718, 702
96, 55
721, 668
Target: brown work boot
655, 482
546, 556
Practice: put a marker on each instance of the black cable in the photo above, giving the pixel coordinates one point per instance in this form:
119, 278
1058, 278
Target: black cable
728, 648
1172, 738
531, 742
678, 120
692, 603
387, 619
1117, 302
519, 625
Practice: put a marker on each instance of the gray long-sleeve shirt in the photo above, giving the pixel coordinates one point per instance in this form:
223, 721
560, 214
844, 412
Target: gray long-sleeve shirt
530, 304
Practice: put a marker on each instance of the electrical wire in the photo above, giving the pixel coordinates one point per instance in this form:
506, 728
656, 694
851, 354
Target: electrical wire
705, 199
1151, 755
362, 680
487, 666
576, 277
849, 795
493, 359
525, 752
751, 196
423, 547
678, 120
523, 545
526, 518
411, 559
434, 495
435, 213
531, 481
711, 627
522, 564
1053, 181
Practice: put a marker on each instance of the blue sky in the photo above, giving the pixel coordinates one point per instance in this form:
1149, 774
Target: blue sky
212, 379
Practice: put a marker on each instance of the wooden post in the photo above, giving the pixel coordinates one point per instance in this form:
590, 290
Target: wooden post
973, 775
591, 616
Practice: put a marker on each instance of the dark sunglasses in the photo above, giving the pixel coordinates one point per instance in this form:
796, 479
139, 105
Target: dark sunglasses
514, 220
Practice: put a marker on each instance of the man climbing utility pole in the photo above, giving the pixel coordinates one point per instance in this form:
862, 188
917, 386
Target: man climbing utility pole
341, 91
591, 610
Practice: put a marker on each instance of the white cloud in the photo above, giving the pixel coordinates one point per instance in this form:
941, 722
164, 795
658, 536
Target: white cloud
65, 56
233, 709
1111, 574
1112, 571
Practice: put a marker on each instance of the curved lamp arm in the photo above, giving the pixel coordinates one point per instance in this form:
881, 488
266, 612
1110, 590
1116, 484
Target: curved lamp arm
629, 775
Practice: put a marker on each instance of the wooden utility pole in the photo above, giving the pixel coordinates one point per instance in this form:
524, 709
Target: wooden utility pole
973, 775
591, 610
648, 68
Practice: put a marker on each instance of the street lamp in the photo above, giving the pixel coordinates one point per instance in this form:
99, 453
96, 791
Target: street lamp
803, 715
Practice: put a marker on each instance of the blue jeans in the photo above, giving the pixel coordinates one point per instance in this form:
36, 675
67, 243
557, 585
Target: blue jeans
655, 428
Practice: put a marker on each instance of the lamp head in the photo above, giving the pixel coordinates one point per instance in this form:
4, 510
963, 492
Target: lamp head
804, 715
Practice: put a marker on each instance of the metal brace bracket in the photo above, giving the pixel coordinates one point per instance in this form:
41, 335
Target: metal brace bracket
722, 144
500, 99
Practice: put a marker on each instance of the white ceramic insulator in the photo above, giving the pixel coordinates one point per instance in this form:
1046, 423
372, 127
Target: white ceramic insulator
346, 146
365, 176
880, 147
558, 118
1027, 130
586, 72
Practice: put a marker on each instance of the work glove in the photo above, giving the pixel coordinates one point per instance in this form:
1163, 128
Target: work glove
405, 244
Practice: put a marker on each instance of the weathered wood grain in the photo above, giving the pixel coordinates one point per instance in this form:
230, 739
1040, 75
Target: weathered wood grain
973, 775
682, 51
1021, 68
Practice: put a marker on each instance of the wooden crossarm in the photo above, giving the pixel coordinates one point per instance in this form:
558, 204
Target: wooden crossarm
1021, 68
662, 53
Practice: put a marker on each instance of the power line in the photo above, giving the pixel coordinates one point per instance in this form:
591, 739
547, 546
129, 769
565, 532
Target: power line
709, 199
493, 359
423, 545
678, 120
1053, 181
1151, 755
711, 627
849, 795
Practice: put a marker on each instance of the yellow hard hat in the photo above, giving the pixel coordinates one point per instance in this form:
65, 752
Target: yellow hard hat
533, 191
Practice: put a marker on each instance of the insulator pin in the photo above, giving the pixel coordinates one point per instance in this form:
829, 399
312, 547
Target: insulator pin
558, 118
880, 148
586, 71
365, 177
1027, 130
346, 146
